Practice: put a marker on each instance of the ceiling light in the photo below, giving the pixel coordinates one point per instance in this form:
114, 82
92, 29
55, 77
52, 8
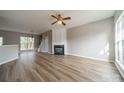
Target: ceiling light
59, 22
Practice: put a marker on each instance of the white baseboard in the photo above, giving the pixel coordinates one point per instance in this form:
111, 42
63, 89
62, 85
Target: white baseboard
49, 53
93, 58
7, 61
46, 52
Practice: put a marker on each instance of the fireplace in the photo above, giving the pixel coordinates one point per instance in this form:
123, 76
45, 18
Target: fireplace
59, 49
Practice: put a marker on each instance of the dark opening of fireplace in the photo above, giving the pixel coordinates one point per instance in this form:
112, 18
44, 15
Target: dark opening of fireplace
59, 49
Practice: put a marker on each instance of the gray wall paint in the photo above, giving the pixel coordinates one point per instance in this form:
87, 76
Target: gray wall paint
12, 38
117, 14
91, 40
49, 34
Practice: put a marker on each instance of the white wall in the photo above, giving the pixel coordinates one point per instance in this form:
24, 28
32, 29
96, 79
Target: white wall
8, 53
59, 38
94, 40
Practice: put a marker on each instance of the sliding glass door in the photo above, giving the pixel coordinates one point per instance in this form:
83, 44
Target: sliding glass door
120, 41
26, 43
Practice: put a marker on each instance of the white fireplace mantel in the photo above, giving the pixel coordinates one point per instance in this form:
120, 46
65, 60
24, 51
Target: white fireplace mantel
59, 38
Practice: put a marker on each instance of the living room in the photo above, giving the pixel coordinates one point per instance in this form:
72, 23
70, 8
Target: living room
61, 45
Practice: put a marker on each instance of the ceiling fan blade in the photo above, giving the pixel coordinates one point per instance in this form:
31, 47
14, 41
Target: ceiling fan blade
54, 16
53, 23
59, 15
63, 23
66, 18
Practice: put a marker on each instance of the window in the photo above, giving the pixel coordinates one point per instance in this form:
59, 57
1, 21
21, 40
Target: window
120, 41
1, 41
26, 43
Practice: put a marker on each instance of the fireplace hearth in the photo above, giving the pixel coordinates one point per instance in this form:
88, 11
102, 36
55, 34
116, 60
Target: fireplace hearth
59, 49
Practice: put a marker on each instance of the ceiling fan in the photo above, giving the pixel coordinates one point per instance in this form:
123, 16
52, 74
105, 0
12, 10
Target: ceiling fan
60, 19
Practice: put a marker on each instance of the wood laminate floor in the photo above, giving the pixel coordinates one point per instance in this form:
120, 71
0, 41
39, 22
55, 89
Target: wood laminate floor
37, 67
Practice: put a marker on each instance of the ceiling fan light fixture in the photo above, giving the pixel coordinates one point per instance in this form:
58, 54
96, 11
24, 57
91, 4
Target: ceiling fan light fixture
60, 19
59, 22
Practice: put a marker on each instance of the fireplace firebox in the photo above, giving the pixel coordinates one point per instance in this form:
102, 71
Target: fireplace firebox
59, 49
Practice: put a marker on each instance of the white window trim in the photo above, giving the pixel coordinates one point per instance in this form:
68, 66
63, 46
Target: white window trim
117, 63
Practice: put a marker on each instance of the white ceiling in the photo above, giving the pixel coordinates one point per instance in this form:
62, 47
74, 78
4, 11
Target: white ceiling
38, 21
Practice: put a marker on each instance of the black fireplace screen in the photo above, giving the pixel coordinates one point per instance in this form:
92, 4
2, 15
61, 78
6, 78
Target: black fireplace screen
59, 49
